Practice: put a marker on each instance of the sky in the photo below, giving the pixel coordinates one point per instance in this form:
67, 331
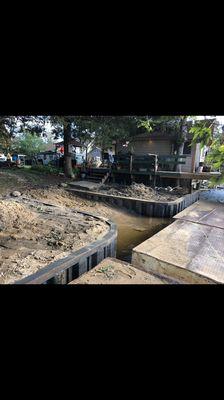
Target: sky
220, 118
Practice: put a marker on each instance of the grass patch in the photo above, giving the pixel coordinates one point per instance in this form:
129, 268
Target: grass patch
45, 169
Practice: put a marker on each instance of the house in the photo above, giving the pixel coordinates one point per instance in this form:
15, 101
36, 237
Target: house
45, 157
165, 144
98, 156
95, 153
75, 147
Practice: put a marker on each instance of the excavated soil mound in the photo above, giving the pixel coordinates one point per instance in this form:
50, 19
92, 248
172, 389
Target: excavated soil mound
141, 191
33, 234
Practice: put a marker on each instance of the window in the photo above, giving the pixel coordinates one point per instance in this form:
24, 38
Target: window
187, 148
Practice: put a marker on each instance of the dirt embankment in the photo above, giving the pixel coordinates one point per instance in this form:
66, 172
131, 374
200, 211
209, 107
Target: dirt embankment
33, 234
141, 191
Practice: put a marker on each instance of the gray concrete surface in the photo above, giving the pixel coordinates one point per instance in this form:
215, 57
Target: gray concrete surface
204, 213
190, 249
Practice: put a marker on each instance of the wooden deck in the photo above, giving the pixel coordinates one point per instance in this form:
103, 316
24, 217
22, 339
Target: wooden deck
188, 175
170, 174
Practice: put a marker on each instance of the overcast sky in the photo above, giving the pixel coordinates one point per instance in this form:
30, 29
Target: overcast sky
220, 118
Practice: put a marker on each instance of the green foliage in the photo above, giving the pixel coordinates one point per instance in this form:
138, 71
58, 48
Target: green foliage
29, 144
216, 155
147, 124
201, 134
98, 130
178, 125
7, 126
76, 170
50, 169
45, 169
102, 131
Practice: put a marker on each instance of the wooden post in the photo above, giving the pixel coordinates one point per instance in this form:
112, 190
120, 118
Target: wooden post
193, 158
190, 186
155, 169
131, 161
130, 166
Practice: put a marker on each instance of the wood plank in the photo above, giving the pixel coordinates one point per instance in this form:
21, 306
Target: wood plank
187, 251
188, 175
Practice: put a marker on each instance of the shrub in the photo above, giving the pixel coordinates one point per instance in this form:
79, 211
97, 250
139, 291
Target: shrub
45, 169
76, 171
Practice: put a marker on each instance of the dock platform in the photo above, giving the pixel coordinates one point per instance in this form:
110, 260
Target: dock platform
191, 249
188, 175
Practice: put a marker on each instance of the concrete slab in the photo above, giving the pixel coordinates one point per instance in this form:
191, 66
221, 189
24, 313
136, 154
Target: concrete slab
188, 251
215, 195
85, 185
205, 213
113, 271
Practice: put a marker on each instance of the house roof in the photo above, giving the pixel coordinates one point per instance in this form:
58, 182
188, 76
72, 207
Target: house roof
74, 142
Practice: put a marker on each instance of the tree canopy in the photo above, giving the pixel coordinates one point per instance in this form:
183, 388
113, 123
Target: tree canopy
104, 130
29, 144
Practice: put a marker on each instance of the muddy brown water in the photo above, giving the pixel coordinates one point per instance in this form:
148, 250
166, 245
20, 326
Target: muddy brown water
134, 229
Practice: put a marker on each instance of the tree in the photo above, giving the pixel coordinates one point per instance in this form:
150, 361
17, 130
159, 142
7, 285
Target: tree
29, 144
64, 126
104, 130
100, 130
7, 131
215, 157
10, 126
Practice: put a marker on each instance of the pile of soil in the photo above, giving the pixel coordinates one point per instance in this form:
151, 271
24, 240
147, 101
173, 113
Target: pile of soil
60, 197
141, 191
33, 234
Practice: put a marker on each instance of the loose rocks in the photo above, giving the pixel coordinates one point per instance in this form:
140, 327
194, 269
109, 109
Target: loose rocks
15, 193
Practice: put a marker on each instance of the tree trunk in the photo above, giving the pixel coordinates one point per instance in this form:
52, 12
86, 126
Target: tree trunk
67, 155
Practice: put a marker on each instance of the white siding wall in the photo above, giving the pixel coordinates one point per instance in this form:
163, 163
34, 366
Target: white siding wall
187, 166
198, 156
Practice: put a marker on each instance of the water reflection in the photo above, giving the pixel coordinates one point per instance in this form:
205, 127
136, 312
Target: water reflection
133, 230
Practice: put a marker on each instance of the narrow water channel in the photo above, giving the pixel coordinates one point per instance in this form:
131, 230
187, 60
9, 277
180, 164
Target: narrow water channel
134, 229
